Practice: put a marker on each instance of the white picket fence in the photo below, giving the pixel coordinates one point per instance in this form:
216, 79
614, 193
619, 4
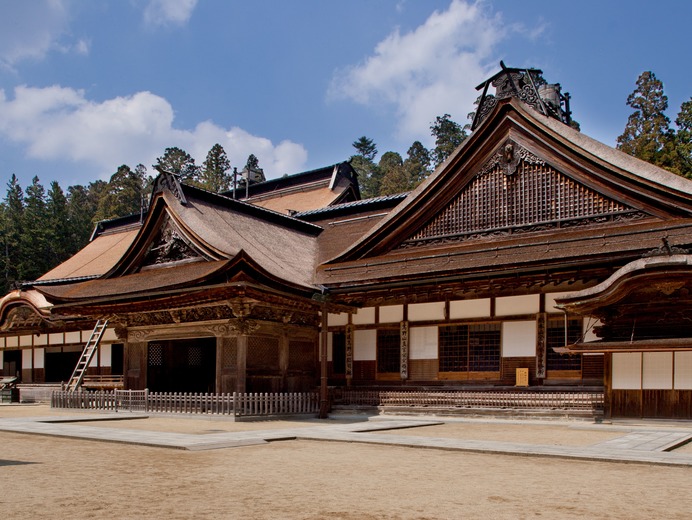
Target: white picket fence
235, 404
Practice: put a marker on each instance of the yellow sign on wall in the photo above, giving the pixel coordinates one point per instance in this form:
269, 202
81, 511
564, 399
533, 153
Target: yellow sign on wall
522, 377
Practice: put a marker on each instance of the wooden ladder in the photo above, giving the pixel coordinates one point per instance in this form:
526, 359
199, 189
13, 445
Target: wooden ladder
87, 355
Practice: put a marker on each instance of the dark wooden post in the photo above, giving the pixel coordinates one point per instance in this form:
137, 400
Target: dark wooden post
242, 364
324, 391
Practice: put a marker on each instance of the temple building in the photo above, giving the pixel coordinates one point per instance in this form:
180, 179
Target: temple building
531, 247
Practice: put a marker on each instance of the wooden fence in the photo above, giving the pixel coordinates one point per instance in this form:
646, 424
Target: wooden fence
235, 404
556, 400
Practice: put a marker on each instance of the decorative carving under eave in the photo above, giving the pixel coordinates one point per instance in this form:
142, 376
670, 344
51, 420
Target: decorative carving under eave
23, 318
508, 158
666, 250
243, 326
169, 246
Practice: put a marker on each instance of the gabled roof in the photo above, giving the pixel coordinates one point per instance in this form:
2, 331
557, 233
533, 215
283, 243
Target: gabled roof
303, 191
191, 237
521, 178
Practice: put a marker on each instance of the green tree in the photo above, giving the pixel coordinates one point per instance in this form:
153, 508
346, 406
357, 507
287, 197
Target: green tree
214, 175
682, 141
124, 195
82, 204
648, 128
35, 238
12, 231
395, 178
448, 135
365, 147
178, 161
417, 163
57, 220
369, 175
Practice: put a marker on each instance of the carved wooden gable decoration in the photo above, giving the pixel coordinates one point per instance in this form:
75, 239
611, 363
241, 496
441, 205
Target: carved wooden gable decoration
170, 245
513, 192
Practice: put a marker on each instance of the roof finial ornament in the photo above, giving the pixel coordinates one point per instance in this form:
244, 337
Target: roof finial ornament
529, 86
170, 181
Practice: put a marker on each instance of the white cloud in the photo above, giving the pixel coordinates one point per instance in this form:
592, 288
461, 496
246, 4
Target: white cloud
29, 30
169, 12
59, 123
429, 71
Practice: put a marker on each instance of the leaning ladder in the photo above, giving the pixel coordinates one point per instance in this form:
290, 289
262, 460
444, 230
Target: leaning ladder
87, 355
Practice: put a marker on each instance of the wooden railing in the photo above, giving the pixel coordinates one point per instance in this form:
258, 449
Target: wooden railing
235, 404
493, 399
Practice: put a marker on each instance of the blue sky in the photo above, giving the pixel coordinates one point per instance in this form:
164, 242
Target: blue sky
88, 85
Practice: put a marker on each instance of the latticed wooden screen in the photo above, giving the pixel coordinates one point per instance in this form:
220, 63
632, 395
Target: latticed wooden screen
470, 348
301, 355
536, 194
263, 352
229, 357
155, 354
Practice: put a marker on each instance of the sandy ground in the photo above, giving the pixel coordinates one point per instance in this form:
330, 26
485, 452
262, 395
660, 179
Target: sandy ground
46, 477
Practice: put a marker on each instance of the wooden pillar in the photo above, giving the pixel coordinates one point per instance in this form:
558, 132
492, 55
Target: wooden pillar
283, 359
136, 363
218, 387
241, 370
324, 390
607, 385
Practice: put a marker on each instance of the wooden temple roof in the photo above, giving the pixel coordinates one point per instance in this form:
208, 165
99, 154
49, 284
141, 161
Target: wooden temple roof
524, 192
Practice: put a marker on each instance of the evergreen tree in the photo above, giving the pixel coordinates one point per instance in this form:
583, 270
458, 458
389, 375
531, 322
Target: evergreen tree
417, 163
12, 231
81, 212
648, 128
57, 221
214, 175
363, 163
178, 161
448, 135
123, 196
35, 240
682, 159
395, 178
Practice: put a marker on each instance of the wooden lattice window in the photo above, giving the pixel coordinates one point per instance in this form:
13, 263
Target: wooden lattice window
470, 348
556, 338
301, 355
263, 352
155, 354
388, 351
229, 356
535, 195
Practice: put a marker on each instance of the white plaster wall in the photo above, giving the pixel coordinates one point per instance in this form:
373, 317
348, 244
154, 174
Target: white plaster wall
391, 313
518, 338
41, 340
627, 371
426, 311
39, 358
550, 300
463, 309
657, 371
683, 371
55, 339
337, 320
109, 335
365, 345
105, 355
2, 342
12, 341
514, 305
27, 359
423, 343
364, 316
2, 358
25, 341
73, 337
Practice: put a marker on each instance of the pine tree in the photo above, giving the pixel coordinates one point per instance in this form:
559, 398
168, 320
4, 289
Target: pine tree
395, 178
57, 225
178, 161
35, 238
682, 159
214, 175
12, 230
448, 135
369, 175
417, 163
123, 196
648, 128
